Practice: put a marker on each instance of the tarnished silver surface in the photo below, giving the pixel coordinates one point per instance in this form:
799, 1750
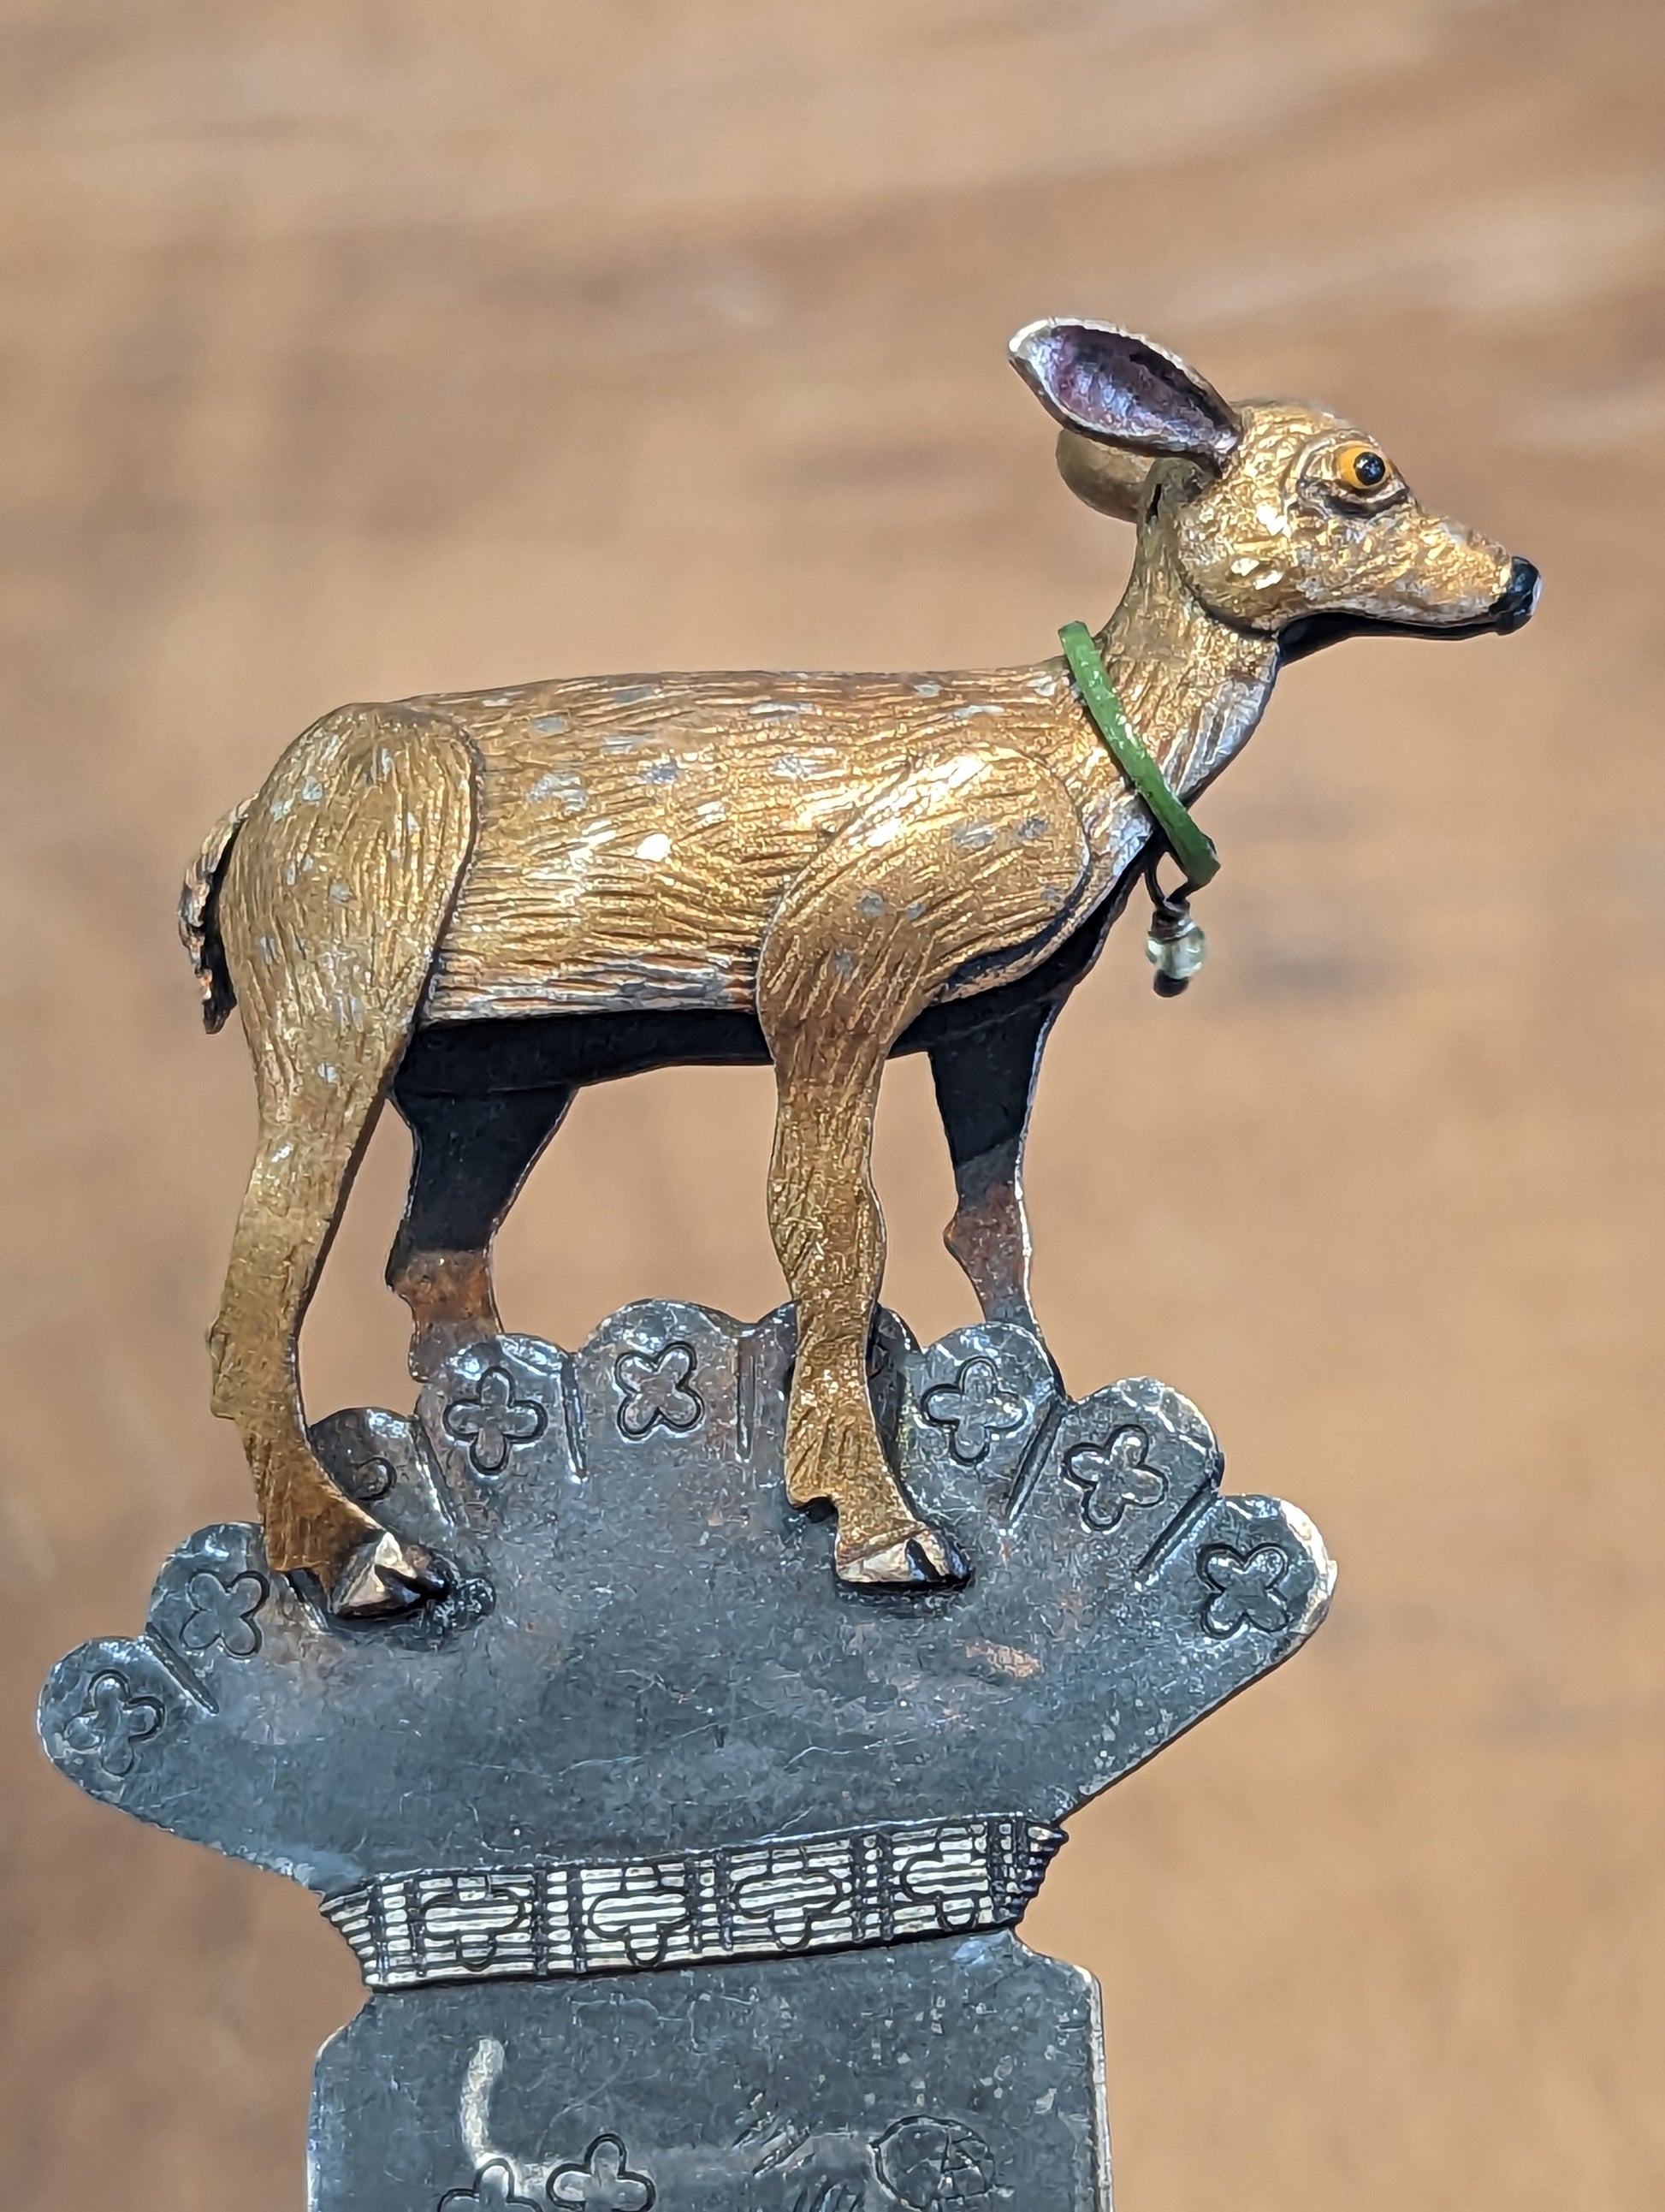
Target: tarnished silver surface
934, 2074
647, 1725
764, 1900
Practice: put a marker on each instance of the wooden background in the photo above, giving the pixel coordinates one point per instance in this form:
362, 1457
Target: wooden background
364, 347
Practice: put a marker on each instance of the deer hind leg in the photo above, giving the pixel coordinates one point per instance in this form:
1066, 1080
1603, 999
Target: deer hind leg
302, 1167
471, 1154
333, 902
965, 860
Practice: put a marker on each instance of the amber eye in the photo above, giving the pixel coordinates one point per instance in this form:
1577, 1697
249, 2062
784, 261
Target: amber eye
1361, 469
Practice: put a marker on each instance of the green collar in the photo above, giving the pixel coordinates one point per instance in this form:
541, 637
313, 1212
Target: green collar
1191, 847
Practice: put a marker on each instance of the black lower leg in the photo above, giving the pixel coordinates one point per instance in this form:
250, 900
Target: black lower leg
471, 1154
984, 1083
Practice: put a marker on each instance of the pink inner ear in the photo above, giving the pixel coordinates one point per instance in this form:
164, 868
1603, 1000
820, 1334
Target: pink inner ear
1122, 389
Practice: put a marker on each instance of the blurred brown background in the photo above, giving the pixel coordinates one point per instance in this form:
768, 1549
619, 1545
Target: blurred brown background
367, 347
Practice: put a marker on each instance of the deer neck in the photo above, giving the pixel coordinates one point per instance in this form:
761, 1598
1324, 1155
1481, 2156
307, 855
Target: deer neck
1191, 686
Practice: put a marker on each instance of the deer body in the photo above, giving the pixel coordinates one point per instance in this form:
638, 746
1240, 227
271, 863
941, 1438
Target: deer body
480, 901
700, 800
635, 835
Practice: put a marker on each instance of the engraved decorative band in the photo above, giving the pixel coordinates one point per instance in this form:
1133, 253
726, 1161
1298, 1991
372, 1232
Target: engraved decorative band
828, 1892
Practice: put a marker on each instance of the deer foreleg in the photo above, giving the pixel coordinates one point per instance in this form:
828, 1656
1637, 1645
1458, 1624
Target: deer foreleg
967, 856
985, 1083
831, 1239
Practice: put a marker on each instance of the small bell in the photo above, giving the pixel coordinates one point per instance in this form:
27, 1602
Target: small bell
1175, 947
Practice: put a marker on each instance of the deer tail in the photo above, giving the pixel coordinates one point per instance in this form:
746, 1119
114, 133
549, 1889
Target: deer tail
199, 918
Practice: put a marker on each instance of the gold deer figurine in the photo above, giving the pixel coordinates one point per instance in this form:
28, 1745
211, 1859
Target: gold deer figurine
482, 901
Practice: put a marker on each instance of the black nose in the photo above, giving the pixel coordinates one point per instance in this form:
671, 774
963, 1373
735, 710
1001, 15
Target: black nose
1515, 604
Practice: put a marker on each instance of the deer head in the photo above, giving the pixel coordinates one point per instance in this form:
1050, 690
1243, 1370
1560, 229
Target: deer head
1280, 520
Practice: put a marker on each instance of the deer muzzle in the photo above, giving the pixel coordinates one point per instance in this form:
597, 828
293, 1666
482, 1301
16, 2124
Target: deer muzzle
1517, 602
1511, 609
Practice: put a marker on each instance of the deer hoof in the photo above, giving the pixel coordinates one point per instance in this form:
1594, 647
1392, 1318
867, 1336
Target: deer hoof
385, 1576
922, 1558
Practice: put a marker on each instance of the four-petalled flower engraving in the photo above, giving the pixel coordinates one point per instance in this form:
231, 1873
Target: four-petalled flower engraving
112, 1723
602, 2180
493, 2191
494, 1421
223, 1613
951, 1877
641, 1914
655, 1387
1246, 1588
1114, 1475
788, 1895
974, 1410
470, 1917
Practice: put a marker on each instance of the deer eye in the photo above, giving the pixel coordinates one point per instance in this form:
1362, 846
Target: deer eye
1361, 470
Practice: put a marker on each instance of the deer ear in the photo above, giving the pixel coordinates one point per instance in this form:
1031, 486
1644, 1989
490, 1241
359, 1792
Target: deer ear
1123, 390
1105, 476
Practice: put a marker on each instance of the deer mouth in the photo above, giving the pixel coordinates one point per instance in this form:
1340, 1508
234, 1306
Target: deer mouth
1510, 611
